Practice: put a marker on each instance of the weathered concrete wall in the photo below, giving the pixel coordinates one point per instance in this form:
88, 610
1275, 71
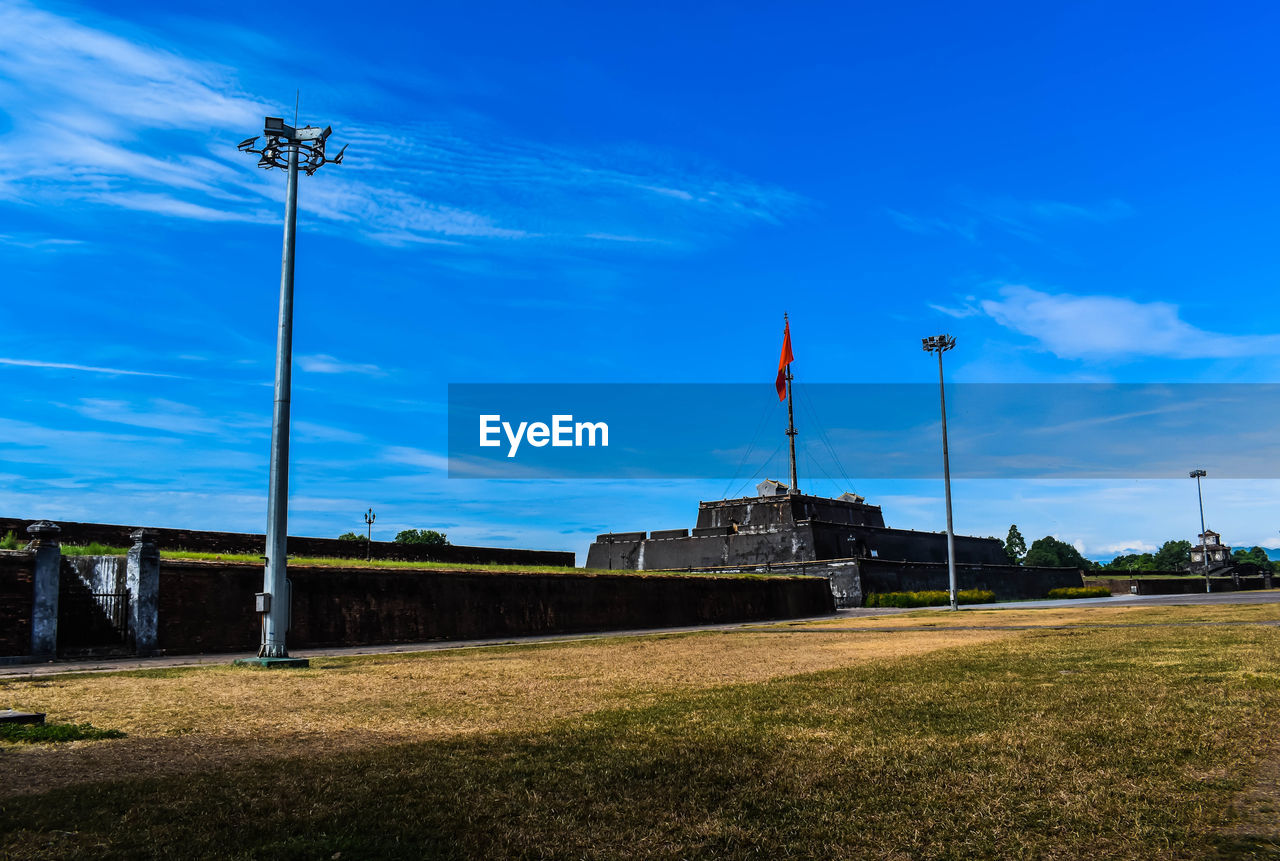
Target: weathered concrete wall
143, 581
208, 606
1008, 582
782, 529
1174, 584
16, 586
850, 580
245, 542
808, 541
98, 573
772, 512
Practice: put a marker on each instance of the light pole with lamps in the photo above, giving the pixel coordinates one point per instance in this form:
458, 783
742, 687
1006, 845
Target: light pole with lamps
1198, 474
369, 517
290, 149
940, 344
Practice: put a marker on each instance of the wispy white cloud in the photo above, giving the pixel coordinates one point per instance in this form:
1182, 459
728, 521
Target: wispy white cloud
93, 369
1114, 327
960, 313
325, 364
932, 226
416, 457
105, 115
1025, 219
325, 433
32, 242
168, 416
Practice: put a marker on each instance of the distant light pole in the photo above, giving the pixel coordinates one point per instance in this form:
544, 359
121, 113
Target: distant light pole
1198, 474
940, 344
369, 517
288, 148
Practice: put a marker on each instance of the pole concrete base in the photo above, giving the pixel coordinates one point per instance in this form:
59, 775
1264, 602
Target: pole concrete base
271, 663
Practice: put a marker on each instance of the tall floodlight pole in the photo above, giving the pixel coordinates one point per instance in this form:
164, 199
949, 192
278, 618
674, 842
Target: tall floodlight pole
290, 149
1198, 474
369, 517
940, 344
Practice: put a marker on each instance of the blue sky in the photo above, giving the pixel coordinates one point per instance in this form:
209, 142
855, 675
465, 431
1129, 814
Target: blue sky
1079, 192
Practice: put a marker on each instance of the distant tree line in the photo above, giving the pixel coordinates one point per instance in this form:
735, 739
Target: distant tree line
1172, 555
407, 536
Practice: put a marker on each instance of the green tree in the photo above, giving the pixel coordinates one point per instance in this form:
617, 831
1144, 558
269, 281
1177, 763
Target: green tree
1173, 556
421, 536
350, 536
1254, 556
1015, 546
1052, 553
1132, 562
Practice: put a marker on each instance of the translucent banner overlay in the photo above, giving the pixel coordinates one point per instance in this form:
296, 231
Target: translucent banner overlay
863, 431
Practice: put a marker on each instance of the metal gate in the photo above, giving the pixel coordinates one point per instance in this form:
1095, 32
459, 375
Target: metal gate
89, 621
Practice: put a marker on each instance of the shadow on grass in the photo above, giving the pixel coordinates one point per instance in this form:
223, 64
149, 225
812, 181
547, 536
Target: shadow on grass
1106, 744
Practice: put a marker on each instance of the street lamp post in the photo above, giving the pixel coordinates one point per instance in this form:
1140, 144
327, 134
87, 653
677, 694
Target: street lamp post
369, 517
1198, 474
940, 344
290, 149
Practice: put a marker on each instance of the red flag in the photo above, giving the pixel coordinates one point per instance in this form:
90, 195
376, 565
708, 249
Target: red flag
783, 361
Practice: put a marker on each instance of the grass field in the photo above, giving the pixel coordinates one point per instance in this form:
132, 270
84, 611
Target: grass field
1122, 733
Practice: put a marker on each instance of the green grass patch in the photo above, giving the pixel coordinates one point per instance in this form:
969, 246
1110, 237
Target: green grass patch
94, 549
1053, 744
28, 733
928, 598
415, 565
1080, 592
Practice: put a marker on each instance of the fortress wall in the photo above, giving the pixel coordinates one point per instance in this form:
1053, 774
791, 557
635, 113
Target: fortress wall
1008, 582
1176, 583
17, 570
782, 511
708, 547
208, 606
247, 542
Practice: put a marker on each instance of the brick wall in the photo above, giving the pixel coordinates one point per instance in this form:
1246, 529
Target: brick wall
16, 571
208, 606
247, 542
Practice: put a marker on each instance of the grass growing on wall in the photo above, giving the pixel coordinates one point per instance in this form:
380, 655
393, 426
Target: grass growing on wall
928, 598
94, 549
1111, 743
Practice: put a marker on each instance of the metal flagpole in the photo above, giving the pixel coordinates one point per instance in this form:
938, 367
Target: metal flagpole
791, 418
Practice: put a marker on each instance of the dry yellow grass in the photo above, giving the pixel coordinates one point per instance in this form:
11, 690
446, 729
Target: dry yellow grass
190, 719
1086, 615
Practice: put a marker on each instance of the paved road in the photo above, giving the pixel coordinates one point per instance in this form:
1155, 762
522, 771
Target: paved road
103, 665
106, 665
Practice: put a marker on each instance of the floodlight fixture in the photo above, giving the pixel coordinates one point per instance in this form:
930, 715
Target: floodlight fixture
283, 141
290, 149
938, 343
